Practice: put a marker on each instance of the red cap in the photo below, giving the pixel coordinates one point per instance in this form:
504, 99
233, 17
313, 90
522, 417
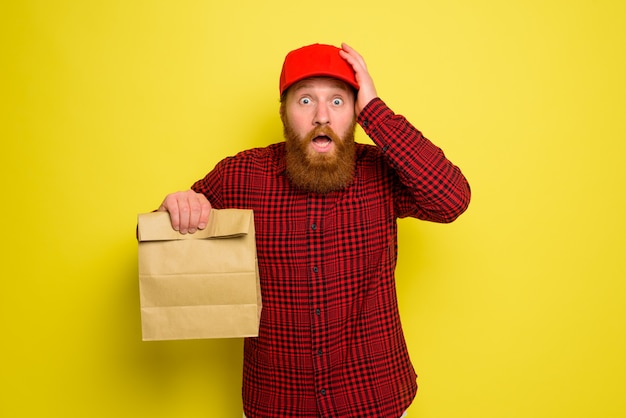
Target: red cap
314, 61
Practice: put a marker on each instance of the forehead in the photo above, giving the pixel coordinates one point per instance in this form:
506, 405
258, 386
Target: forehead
321, 83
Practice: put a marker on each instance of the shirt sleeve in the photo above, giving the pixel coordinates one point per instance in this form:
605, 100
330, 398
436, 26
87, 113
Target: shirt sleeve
433, 189
211, 185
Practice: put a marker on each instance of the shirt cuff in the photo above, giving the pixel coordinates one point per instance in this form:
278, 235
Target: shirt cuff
373, 112
371, 117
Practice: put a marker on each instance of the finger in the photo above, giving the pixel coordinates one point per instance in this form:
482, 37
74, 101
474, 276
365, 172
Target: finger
353, 57
170, 205
196, 207
184, 212
204, 214
357, 62
350, 59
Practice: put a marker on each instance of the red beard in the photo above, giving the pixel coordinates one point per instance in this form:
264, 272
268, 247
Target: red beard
315, 172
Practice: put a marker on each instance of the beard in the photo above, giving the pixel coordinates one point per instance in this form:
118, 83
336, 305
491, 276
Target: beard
320, 172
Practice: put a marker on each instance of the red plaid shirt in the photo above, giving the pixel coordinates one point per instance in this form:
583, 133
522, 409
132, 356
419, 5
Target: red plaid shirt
330, 341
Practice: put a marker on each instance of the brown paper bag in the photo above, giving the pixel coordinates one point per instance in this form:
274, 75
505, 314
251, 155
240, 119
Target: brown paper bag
202, 285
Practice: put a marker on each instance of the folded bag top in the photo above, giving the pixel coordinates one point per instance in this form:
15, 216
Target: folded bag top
225, 223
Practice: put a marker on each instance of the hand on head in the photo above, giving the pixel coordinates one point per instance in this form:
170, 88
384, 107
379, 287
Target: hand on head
367, 90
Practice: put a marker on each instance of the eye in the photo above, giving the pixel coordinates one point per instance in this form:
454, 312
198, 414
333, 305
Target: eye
337, 101
305, 100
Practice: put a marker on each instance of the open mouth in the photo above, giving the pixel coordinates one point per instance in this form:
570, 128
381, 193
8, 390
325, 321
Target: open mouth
322, 141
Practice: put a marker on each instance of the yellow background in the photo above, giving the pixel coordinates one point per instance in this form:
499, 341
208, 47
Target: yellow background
516, 310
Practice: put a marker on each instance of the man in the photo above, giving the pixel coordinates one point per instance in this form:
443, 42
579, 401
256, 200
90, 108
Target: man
330, 341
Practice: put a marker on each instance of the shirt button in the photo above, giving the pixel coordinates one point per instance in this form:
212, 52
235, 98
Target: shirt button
366, 123
323, 391
315, 269
313, 227
318, 312
320, 352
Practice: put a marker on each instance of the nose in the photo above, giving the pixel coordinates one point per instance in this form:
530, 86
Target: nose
322, 116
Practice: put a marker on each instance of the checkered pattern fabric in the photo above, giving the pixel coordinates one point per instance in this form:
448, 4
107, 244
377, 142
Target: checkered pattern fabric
330, 341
